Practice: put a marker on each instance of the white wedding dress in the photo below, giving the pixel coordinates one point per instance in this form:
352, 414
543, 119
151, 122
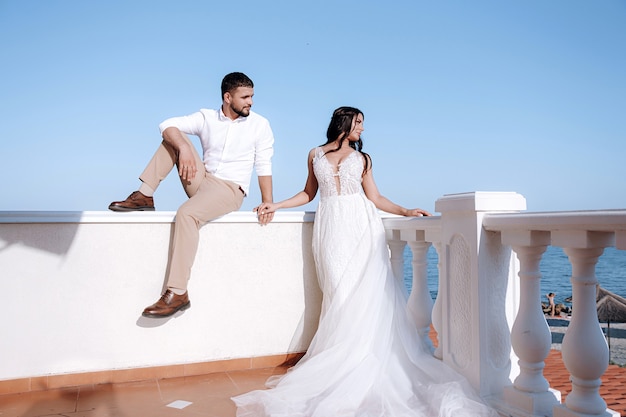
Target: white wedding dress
366, 359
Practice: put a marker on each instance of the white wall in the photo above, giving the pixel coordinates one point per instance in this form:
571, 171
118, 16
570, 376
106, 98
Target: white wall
74, 285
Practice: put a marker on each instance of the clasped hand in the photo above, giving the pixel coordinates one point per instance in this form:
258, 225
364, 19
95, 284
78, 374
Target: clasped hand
265, 212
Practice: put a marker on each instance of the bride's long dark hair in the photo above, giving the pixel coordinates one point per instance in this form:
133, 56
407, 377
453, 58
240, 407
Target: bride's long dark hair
340, 127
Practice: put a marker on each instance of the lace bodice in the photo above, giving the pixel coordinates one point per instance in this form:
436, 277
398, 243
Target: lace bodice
347, 179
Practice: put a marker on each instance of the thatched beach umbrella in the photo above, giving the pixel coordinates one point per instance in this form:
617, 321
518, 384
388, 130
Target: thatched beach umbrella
611, 308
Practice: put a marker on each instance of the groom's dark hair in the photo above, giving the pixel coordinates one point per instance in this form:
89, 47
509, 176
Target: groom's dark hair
235, 79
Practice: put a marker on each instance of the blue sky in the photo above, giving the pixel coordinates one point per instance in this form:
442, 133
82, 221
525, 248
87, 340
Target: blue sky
458, 96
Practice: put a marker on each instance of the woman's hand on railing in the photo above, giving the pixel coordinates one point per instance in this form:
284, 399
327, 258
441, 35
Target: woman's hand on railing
417, 213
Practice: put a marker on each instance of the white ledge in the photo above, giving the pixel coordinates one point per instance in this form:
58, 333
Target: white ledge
410, 223
140, 217
592, 220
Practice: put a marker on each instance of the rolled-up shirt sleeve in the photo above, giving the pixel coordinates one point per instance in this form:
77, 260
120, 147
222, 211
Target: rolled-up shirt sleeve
264, 151
191, 124
231, 149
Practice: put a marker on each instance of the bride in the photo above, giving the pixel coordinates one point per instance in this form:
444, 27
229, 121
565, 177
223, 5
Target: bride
366, 358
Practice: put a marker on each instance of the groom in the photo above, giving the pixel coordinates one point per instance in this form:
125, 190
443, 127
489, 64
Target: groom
234, 141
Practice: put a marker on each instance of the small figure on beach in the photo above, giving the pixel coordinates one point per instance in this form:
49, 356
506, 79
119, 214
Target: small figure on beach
551, 303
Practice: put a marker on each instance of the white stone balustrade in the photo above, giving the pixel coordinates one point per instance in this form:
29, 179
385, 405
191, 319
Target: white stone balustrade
400, 232
583, 237
86, 277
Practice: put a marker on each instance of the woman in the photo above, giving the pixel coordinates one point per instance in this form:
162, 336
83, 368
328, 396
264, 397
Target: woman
366, 358
552, 305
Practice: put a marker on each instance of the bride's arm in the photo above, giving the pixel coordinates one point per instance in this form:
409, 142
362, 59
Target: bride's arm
383, 203
303, 197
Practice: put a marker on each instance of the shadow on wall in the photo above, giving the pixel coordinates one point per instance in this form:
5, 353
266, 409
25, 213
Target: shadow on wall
46, 237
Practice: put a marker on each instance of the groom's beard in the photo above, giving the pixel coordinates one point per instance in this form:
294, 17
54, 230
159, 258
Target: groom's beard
243, 112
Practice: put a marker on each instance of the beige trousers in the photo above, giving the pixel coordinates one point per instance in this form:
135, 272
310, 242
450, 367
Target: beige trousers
209, 198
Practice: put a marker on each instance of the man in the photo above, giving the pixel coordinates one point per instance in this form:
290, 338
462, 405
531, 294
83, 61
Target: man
234, 141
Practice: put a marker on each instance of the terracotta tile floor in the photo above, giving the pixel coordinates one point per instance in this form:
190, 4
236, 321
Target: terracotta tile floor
210, 394
613, 382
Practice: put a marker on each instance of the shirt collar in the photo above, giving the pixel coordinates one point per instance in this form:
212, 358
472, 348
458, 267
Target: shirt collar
224, 118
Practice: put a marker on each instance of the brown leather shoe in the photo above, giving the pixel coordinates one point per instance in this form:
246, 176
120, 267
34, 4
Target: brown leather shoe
168, 304
135, 202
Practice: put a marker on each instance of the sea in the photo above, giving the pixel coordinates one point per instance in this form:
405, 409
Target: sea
555, 268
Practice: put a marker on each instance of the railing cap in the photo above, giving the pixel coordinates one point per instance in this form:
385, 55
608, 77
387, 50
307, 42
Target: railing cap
589, 220
481, 201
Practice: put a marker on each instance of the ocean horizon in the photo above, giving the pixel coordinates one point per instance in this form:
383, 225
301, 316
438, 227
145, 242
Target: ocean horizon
555, 268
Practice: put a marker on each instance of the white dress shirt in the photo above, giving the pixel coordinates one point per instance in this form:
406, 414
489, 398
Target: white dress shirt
231, 148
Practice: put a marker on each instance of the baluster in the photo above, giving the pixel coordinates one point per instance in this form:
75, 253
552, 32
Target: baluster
396, 256
436, 316
530, 335
584, 349
420, 302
